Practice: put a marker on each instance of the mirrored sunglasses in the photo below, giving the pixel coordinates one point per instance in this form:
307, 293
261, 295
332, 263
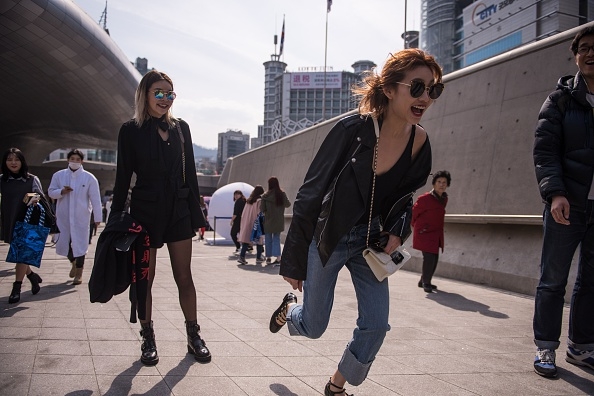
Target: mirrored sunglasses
160, 94
417, 87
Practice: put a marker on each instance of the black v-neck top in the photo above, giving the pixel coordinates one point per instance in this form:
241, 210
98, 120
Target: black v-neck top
387, 182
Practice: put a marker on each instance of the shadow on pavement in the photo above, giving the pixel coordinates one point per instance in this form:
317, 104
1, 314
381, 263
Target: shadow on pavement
581, 383
461, 303
281, 390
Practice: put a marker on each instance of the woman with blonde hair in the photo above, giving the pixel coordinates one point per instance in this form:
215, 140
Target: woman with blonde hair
165, 199
359, 187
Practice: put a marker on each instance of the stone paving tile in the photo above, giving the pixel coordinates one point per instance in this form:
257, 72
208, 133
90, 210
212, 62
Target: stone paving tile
63, 347
59, 364
23, 364
62, 384
212, 386
59, 333
15, 384
17, 346
464, 339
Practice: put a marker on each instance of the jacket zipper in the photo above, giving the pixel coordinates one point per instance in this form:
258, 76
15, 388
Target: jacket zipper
334, 190
403, 217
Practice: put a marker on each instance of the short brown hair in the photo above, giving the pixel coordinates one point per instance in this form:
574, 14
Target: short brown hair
371, 91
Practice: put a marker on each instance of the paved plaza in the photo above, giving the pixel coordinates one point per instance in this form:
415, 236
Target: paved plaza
463, 340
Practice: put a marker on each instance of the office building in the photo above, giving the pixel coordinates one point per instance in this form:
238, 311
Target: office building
297, 100
231, 143
460, 33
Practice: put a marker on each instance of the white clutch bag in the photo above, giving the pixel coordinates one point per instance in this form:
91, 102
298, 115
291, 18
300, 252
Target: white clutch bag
382, 264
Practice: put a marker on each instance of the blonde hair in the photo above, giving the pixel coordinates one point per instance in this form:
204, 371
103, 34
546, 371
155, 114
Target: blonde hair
371, 90
141, 114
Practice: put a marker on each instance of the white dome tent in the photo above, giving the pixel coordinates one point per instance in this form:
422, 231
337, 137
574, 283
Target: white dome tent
220, 211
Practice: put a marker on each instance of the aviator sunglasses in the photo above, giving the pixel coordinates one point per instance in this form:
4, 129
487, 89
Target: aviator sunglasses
417, 87
160, 94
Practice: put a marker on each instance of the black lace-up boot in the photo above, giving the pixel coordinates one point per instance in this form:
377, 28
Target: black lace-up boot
149, 354
196, 345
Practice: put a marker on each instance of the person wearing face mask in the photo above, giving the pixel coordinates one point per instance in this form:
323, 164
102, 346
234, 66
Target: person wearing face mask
76, 192
564, 163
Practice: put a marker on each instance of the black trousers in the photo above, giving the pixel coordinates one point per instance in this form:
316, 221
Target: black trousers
429, 266
80, 261
235, 231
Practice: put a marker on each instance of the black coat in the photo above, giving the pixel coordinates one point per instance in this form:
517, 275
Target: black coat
327, 206
122, 260
157, 193
564, 144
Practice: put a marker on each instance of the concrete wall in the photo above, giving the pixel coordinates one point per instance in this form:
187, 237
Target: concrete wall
481, 130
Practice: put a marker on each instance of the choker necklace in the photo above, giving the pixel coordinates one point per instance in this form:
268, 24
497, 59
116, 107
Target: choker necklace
161, 123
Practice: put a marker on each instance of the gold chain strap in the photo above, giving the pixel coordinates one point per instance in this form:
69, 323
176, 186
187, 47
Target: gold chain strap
373, 183
182, 141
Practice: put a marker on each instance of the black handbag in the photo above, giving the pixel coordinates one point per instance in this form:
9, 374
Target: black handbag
50, 216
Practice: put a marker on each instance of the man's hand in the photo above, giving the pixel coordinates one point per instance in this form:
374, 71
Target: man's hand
66, 190
97, 223
295, 284
560, 209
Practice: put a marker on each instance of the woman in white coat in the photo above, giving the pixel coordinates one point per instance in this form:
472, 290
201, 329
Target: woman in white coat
75, 191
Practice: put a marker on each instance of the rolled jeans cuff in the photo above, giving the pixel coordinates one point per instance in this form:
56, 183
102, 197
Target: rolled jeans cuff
552, 345
580, 347
353, 370
292, 328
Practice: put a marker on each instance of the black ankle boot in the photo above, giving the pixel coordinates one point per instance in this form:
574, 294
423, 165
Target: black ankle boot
196, 345
35, 281
148, 348
15, 294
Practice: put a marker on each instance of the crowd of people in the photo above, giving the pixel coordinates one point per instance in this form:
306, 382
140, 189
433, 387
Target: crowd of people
357, 193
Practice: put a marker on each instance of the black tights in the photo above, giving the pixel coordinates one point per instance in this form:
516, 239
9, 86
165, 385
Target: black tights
180, 254
429, 266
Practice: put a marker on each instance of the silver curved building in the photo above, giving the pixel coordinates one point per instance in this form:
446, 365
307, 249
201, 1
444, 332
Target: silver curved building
66, 82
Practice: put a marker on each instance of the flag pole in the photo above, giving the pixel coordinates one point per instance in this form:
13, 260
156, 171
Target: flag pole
325, 60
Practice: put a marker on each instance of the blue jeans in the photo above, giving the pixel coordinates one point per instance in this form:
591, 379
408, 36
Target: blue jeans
311, 318
559, 245
272, 243
244, 248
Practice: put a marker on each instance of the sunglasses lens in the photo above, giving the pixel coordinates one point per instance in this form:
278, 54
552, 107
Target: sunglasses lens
159, 94
417, 88
436, 90
171, 95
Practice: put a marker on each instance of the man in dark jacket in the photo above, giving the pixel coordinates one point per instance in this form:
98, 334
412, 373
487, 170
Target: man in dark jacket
564, 161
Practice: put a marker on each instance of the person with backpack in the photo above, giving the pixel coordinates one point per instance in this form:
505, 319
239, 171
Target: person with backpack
564, 162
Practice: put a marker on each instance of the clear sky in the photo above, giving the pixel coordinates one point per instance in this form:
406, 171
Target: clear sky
214, 50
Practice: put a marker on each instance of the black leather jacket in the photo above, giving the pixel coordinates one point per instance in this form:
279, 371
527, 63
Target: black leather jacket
564, 144
335, 191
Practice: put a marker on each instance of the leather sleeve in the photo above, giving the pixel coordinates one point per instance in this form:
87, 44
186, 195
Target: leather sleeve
125, 167
306, 208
